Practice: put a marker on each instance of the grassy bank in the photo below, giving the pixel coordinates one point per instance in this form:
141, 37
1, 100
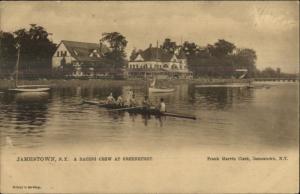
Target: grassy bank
56, 83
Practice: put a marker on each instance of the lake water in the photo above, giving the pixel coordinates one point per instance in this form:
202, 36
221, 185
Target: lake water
227, 117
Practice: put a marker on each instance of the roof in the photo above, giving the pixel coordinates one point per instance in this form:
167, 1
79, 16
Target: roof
81, 51
154, 53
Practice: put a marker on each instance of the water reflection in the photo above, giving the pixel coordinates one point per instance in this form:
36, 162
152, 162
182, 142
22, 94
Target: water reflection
24, 116
31, 97
227, 116
220, 97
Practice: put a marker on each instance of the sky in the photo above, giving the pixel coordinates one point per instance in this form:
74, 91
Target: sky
270, 28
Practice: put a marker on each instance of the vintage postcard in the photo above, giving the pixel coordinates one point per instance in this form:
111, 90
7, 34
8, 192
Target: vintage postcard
149, 97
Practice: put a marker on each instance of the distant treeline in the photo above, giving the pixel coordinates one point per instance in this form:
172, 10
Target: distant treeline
36, 50
274, 73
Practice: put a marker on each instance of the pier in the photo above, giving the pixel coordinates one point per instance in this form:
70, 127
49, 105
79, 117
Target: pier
278, 79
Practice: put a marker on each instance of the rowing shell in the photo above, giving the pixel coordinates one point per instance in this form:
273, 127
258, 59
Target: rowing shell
139, 110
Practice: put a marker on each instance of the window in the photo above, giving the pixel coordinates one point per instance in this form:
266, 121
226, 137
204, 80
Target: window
165, 65
174, 66
65, 53
57, 54
61, 53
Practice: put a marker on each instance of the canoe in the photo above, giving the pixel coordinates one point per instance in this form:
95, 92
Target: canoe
138, 110
161, 90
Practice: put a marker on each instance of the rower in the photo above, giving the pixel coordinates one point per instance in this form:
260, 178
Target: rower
162, 105
132, 101
146, 102
110, 99
129, 97
120, 101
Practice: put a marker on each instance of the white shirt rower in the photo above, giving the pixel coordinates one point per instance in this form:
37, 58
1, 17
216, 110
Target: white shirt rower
162, 105
110, 99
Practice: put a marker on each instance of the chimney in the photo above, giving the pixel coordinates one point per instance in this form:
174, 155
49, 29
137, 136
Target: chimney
150, 45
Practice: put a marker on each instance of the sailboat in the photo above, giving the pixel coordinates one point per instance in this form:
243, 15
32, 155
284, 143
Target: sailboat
26, 88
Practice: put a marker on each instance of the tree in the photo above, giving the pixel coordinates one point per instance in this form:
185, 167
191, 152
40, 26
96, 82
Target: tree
248, 55
169, 46
36, 49
134, 53
221, 48
8, 51
246, 58
189, 48
117, 42
268, 72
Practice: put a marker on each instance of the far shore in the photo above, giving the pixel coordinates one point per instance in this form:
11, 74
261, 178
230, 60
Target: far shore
57, 83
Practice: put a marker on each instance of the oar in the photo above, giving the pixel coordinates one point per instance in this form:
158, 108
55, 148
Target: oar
92, 102
179, 115
129, 108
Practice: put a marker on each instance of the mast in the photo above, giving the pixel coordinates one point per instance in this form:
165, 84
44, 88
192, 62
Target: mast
156, 51
17, 65
156, 56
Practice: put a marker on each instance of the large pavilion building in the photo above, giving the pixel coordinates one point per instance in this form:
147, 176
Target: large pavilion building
156, 62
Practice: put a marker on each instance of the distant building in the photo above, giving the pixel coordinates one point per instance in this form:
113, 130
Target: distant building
157, 62
81, 59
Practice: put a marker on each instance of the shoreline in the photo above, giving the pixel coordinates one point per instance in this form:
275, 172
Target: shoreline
57, 83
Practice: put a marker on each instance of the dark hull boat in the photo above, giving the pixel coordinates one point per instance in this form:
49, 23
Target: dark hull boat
138, 110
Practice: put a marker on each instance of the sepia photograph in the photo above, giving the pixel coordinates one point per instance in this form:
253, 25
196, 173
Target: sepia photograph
149, 97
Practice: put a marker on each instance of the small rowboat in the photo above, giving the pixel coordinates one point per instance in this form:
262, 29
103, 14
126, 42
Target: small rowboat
29, 89
161, 90
153, 89
138, 110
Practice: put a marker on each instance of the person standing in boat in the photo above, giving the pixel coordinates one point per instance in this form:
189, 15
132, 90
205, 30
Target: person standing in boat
110, 99
162, 106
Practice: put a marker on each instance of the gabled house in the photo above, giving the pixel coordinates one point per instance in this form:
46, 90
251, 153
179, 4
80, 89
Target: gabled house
81, 59
157, 62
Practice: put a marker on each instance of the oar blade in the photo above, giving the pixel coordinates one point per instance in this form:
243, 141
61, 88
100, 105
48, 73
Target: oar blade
179, 115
